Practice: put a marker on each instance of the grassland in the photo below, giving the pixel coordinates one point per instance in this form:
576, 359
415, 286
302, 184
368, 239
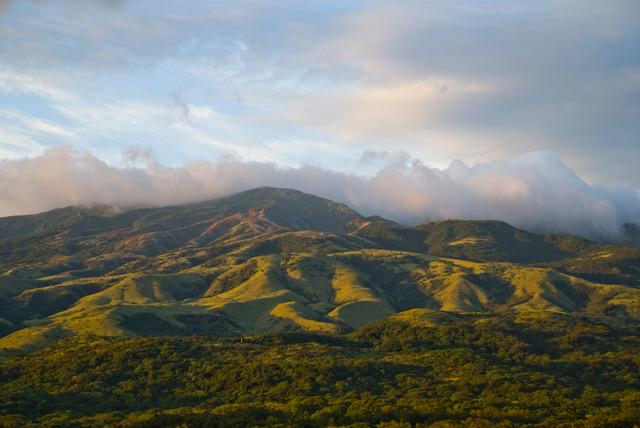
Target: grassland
275, 308
273, 260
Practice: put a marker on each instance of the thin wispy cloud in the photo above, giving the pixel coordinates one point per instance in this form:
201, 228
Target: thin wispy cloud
437, 79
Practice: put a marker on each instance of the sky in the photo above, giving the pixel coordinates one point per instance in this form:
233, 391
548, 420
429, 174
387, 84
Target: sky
524, 111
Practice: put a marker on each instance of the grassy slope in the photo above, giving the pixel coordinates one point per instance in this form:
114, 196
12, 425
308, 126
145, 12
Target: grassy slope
247, 264
319, 293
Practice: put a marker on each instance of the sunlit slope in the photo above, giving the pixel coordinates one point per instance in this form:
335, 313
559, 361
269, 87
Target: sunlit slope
94, 242
276, 260
85, 236
495, 241
328, 293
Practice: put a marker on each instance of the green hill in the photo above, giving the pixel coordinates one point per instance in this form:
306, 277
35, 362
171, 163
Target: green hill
272, 260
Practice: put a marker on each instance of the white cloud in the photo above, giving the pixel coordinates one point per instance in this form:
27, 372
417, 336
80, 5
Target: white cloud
384, 110
321, 81
30, 81
15, 145
536, 191
33, 125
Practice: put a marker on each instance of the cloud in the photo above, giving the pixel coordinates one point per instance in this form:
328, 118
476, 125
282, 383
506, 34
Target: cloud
138, 154
447, 77
441, 80
16, 145
32, 82
535, 191
179, 102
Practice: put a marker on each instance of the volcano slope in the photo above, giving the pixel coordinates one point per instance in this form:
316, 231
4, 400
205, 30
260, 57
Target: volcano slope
274, 260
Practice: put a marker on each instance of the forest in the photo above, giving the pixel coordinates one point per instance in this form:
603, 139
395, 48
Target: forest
438, 370
274, 308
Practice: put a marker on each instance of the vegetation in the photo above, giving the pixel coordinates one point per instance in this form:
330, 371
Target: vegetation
274, 260
276, 308
535, 369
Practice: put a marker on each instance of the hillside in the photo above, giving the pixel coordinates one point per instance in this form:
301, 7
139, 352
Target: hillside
272, 260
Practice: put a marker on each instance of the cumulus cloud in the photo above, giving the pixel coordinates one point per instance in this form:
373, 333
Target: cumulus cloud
535, 191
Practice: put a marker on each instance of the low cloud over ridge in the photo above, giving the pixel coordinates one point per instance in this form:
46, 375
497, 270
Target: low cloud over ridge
535, 191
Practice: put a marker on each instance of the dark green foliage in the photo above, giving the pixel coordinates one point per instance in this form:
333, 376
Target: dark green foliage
148, 325
58, 219
470, 240
502, 368
492, 370
394, 237
490, 241
290, 208
611, 264
296, 243
398, 285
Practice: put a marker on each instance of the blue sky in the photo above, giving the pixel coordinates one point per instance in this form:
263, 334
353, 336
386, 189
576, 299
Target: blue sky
351, 89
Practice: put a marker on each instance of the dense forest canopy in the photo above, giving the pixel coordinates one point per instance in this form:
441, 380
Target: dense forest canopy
471, 370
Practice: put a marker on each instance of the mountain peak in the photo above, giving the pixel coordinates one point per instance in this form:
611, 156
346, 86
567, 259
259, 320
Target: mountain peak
293, 209
272, 259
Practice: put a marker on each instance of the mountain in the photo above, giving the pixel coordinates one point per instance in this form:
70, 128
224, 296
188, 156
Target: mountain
270, 260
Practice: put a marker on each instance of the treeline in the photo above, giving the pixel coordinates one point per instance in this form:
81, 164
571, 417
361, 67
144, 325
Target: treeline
483, 371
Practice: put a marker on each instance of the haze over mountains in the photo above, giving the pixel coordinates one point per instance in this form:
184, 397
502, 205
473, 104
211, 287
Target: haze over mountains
274, 259
536, 192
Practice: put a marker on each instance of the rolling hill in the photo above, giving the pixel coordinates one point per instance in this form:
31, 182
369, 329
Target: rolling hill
273, 260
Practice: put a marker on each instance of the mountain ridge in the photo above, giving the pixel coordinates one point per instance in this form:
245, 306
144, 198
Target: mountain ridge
278, 259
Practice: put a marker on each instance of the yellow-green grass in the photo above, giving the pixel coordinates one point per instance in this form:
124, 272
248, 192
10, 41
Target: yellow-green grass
536, 285
310, 272
33, 338
421, 317
357, 314
253, 315
98, 320
140, 289
348, 286
469, 241
307, 291
460, 295
303, 317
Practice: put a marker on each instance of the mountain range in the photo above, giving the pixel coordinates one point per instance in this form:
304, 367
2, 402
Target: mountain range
270, 260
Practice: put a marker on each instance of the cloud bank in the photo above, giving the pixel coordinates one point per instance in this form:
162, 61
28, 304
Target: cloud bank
535, 191
438, 79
